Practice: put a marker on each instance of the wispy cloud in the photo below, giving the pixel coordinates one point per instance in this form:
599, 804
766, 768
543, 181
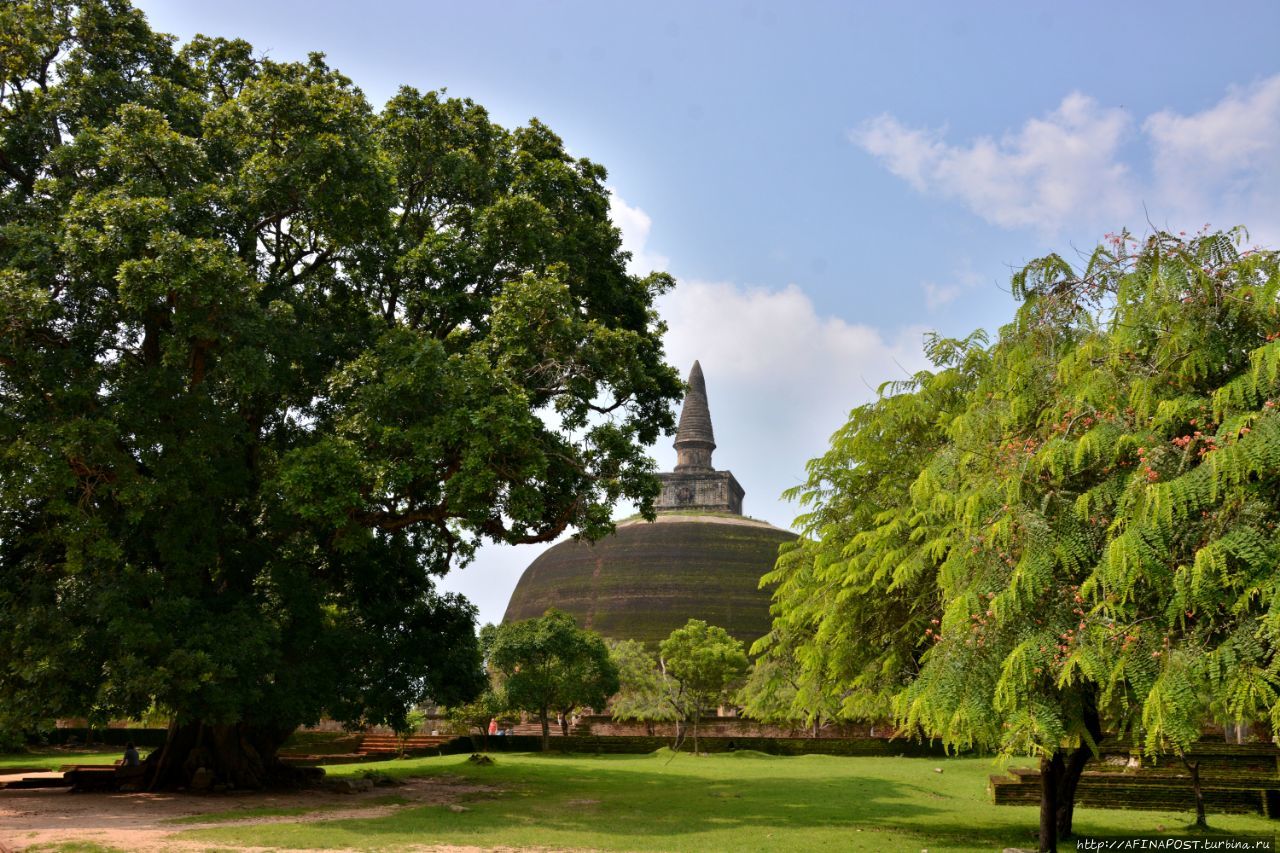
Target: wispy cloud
635, 225
1223, 161
772, 336
963, 279
1071, 168
1052, 170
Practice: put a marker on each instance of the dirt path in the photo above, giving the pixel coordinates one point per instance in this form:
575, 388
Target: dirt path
144, 822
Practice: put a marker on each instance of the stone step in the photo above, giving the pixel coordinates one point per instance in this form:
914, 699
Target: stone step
1154, 778
1253, 805
1257, 793
35, 782
392, 745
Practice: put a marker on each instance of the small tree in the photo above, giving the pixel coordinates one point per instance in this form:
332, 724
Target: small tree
643, 692
492, 703
704, 663
409, 726
550, 664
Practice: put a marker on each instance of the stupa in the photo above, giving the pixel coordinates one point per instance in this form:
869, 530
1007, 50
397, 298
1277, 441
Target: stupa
701, 558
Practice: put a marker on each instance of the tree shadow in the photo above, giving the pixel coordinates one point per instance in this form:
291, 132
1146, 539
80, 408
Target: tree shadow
568, 801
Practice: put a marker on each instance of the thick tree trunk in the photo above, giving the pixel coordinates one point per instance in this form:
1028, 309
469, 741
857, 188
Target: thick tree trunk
564, 724
1072, 770
1194, 769
1051, 771
198, 756
546, 731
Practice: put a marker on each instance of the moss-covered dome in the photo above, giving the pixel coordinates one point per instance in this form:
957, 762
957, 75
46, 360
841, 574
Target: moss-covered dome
649, 578
701, 558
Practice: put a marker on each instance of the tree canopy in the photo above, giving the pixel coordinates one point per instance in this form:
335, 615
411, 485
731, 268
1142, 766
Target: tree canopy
271, 361
643, 693
549, 664
1068, 531
778, 688
703, 663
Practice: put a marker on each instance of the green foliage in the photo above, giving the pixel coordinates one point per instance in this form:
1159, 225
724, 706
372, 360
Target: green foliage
1072, 526
476, 714
853, 596
550, 664
778, 691
270, 361
704, 664
413, 723
643, 690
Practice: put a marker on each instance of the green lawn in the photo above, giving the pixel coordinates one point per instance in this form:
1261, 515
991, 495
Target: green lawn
723, 802
52, 759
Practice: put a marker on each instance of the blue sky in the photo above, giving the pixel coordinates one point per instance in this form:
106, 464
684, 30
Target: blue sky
828, 181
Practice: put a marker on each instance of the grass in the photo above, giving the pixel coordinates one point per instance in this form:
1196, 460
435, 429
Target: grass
51, 758
719, 802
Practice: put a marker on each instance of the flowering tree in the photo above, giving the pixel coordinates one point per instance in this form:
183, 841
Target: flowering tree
1074, 528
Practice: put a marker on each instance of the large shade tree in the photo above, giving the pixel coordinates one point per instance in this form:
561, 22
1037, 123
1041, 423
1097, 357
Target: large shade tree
270, 362
1085, 538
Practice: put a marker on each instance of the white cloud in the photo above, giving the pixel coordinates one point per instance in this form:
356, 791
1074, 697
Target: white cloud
635, 224
940, 295
771, 336
912, 155
1223, 162
781, 378
1067, 170
1052, 170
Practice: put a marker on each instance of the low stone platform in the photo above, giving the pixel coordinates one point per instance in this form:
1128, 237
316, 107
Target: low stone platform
389, 746
1235, 778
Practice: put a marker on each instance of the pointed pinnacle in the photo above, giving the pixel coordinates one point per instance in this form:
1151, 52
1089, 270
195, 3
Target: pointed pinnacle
695, 415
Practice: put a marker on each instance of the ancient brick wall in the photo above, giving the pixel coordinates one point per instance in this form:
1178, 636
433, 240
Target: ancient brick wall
729, 727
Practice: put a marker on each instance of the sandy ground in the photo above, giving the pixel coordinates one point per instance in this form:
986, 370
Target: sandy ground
140, 822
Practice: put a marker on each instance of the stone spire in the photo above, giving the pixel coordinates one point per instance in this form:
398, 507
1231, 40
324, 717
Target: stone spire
694, 438
695, 485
